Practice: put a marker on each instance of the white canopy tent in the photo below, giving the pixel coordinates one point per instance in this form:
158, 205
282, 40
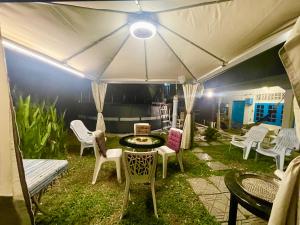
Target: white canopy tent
196, 39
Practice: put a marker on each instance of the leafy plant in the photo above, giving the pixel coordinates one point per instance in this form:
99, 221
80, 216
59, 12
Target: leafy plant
211, 134
42, 130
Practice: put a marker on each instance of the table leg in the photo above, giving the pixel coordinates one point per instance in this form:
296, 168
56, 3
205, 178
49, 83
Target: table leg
232, 210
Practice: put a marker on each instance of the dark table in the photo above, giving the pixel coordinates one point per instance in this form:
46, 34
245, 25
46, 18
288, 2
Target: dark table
142, 142
255, 205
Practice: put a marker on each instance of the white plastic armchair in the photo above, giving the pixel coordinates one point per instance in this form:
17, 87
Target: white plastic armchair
285, 144
83, 134
290, 132
112, 155
250, 140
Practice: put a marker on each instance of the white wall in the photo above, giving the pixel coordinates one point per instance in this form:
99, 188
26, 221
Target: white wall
259, 95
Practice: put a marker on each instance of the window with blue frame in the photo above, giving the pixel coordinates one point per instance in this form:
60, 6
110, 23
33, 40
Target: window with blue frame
270, 113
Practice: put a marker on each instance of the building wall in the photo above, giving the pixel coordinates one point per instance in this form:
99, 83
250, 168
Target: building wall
260, 95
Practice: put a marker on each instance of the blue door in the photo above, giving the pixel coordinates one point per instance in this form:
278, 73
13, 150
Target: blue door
237, 116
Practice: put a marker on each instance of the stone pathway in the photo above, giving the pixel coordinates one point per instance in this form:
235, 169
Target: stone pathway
215, 196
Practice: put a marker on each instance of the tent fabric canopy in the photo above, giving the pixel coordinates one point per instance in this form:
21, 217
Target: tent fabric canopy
194, 38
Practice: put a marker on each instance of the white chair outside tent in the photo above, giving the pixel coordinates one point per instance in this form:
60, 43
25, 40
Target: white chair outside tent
83, 134
250, 140
112, 155
286, 143
287, 132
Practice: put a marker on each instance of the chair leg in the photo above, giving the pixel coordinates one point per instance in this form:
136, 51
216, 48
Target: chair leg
154, 198
125, 201
229, 147
97, 168
118, 168
179, 157
246, 152
81, 149
165, 165
281, 162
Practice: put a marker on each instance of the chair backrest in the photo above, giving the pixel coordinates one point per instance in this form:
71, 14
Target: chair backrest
81, 132
256, 134
287, 139
174, 139
290, 135
142, 128
140, 167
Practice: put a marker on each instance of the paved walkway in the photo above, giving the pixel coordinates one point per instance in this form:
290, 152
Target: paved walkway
214, 195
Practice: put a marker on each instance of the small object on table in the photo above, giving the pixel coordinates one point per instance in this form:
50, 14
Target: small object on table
252, 191
142, 142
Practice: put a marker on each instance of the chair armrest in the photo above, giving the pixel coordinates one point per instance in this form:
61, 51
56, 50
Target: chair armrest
237, 137
279, 174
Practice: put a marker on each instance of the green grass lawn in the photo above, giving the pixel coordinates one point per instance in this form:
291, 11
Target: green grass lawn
74, 200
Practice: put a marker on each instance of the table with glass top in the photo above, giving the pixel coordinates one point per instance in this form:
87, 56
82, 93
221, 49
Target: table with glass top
142, 142
252, 191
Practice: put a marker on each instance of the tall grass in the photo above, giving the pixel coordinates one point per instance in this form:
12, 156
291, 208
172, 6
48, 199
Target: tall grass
42, 130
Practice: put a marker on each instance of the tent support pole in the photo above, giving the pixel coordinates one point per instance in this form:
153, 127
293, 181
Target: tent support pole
193, 43
94, 43
114, 56
172, 50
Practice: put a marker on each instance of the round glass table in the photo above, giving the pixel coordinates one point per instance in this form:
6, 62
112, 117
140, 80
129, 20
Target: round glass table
254, 192
142, 142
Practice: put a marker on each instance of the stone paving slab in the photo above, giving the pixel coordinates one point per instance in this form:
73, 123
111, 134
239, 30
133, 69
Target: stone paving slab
215, 143
197, 150
218, 181
217, 166
218, 206
204, 156
202, 143
202, 186
254, 221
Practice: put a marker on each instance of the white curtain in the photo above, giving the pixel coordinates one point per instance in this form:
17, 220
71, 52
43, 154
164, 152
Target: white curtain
190, 92
15, 207
99, 91
286, 206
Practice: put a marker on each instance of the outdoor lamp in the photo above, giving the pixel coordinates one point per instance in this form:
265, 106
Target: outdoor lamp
142, 30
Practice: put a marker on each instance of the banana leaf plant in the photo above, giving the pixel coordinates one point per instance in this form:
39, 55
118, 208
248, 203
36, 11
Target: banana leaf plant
42, 130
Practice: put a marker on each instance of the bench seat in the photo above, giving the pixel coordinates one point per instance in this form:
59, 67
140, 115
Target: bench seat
40, 173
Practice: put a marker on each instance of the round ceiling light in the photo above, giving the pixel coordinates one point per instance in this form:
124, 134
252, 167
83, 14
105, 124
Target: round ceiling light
142, 30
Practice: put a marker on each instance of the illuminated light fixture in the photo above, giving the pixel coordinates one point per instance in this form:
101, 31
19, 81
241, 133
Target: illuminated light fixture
22, 50
142, 30
209, 94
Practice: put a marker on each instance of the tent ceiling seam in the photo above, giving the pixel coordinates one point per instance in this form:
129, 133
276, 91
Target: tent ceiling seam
88, 8
95, 42
193, 43
146, 65
172, 50
114, 56
192, 6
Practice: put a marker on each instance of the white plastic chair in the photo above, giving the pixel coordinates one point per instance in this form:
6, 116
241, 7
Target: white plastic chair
83, 134
114, 155
171, 149
142, 128
139, 167
287, 142
250, 140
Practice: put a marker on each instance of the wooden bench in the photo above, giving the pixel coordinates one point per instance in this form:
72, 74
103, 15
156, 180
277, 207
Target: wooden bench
39, 174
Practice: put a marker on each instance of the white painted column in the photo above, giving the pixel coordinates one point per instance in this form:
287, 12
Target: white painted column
174, 113
288, 113
219, 113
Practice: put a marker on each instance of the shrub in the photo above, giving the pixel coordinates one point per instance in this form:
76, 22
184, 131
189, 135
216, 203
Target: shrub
42, 130
211, 134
